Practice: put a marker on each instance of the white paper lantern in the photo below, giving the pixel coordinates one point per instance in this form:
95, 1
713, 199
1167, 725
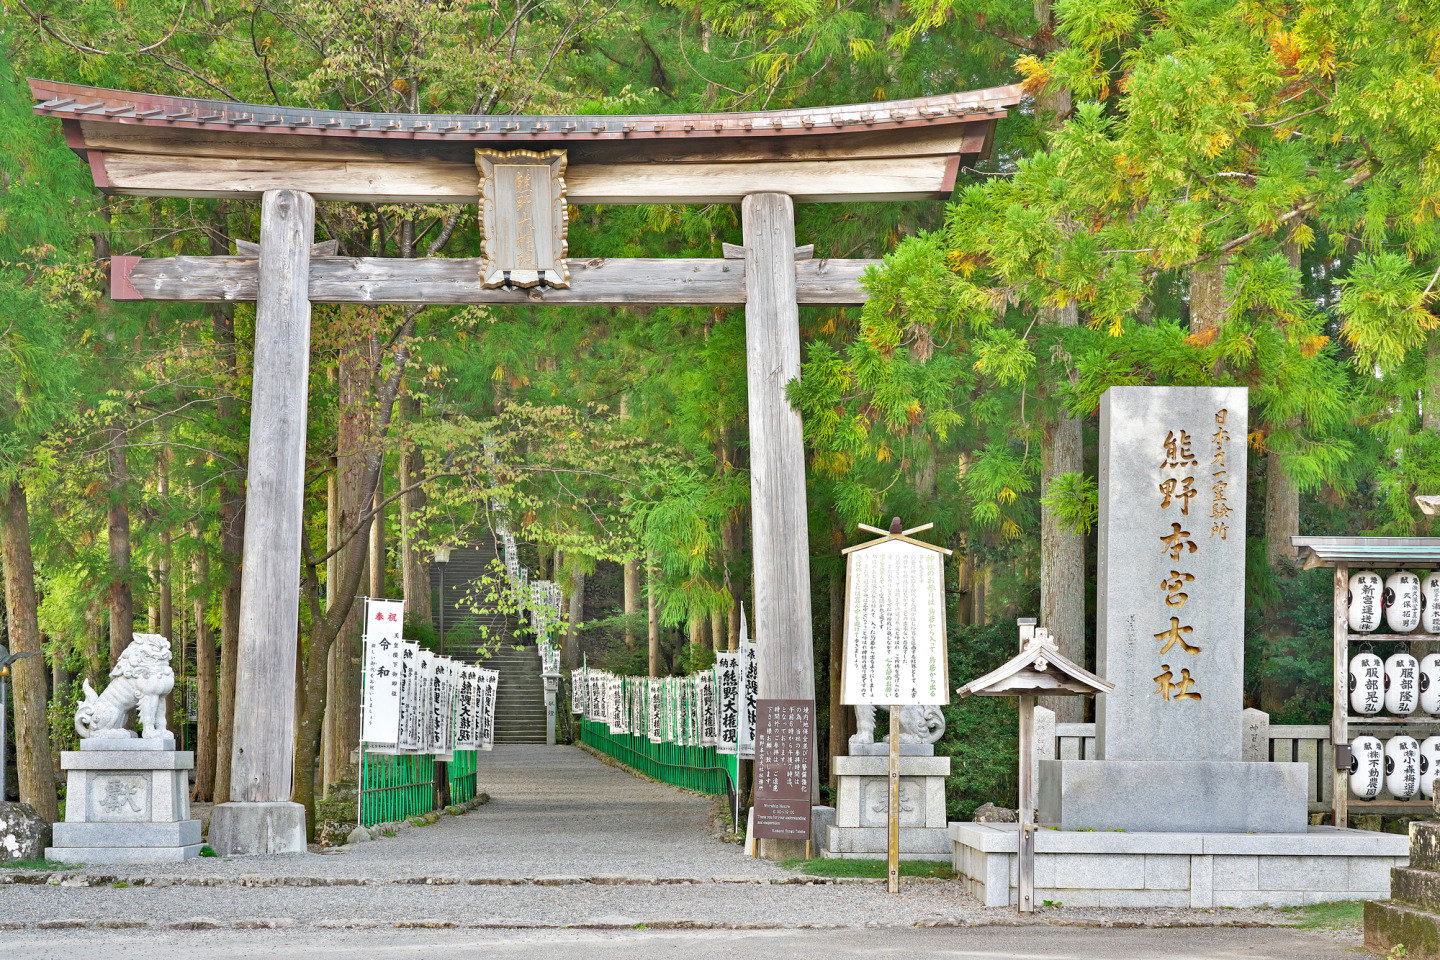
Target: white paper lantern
1367, 683
1430, 602
1402, 684
1366, 599
1402, 767
1367, 767
1430, 684
1429, 758
1402, 601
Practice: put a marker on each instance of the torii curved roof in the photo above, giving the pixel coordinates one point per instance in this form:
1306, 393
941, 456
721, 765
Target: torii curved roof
153, 144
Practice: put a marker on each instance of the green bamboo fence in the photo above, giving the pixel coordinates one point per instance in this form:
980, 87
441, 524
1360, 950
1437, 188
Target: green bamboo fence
398, 787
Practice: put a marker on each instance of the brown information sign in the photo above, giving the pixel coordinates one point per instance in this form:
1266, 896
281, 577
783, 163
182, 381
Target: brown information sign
784, 745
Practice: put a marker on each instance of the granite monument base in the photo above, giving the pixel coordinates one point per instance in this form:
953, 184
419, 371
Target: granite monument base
862, 811
256, 829
1199, 870
127, 800
1183, 796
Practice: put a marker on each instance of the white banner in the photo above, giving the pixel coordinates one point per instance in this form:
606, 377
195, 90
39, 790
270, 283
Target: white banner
380, 721
750, 692
727, 673
442, 708
411, 716
465, 703
709, 715
485, 713
384, 618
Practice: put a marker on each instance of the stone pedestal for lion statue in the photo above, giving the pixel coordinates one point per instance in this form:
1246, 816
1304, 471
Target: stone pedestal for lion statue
862, 806
128, 797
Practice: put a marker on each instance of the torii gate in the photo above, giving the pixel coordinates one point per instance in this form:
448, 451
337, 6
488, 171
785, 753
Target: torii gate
149, 145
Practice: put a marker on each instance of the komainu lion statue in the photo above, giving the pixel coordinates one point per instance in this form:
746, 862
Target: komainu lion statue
917, 725
140, 682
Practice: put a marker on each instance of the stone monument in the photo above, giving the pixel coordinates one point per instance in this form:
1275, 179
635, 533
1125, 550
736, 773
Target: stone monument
127, 797
1171, 609
1171, 814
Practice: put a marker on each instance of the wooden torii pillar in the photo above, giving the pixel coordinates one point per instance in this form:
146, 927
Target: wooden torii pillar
150, 145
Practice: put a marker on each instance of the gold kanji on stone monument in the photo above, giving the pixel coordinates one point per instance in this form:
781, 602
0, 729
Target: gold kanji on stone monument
523, 217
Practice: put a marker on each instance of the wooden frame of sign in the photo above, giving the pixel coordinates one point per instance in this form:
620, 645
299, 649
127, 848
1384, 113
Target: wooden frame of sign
523, 218
896, 534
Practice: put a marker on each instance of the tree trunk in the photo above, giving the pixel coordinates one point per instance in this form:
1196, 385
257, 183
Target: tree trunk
351, 438
232, 523
205, 679
717, 630
122, 603
571, 651
415, 566
653, 609
377, 542
729, 534
332, 587
1430, 401
632, 595
839, 745
32, 730
1062, 553
166, 612
1208, 305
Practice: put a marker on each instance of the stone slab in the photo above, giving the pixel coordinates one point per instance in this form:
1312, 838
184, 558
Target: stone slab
127, 743
1316, 841
865, 802
1123, 869
1425, 844
251, 829
89, 855
880, 766
127, 760
1181, 796
878, 749
919, 843
1171, 465
178, 834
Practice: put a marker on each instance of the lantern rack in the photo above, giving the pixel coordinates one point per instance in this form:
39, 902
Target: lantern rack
1365, 553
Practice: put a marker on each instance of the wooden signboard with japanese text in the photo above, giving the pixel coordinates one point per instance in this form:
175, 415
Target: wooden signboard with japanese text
784, 746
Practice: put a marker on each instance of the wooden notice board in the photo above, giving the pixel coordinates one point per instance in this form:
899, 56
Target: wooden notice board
784, 745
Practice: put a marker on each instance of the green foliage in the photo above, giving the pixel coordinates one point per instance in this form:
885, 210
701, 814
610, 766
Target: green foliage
1075, 499
981, 733
870, 869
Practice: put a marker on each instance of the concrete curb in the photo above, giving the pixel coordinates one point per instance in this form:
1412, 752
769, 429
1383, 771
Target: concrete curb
69, 879
289, 923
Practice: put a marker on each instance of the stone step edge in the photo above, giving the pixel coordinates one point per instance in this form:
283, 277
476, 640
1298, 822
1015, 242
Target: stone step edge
67, 879
289, 923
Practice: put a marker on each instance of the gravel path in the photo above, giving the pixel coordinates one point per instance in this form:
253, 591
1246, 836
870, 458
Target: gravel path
566, 841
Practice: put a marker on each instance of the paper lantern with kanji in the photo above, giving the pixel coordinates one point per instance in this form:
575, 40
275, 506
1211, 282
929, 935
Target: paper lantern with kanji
1366, 601
1367, 683
1402, 601
1367, 767
1402, 767
1429, 758
1430, 684
1402, 684
1430, 602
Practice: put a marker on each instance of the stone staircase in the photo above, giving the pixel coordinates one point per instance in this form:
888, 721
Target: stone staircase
1412, 914
520, 697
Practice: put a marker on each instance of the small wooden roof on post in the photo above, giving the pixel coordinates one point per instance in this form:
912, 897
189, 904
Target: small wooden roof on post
1038, 669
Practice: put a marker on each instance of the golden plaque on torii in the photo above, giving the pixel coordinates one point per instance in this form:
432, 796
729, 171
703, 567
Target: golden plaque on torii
523, 216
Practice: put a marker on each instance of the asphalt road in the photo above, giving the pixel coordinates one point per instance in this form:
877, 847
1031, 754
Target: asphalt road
982, 943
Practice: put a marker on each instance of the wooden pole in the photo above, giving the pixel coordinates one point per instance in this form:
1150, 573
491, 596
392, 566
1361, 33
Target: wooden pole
1027, 804
1339, 725
892, 846
261, 764
777, 463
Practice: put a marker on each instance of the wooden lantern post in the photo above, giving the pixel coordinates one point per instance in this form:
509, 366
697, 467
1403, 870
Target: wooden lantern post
1027, 674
